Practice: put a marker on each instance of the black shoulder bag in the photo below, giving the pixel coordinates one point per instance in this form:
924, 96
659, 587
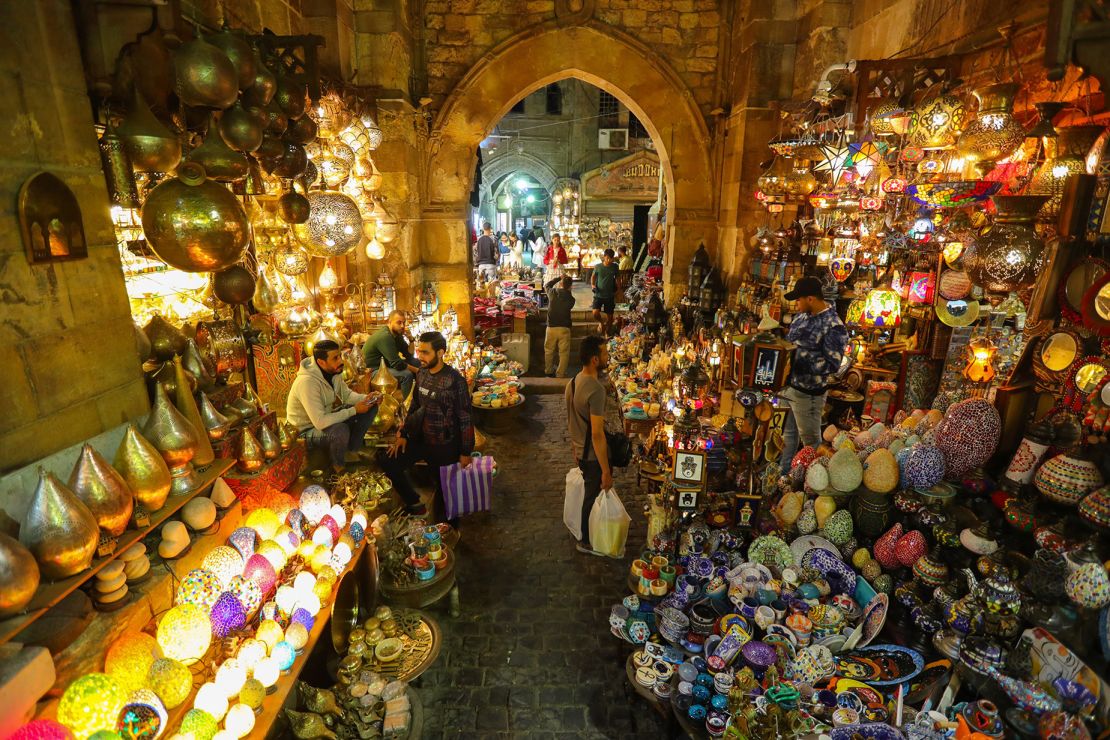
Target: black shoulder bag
620, 447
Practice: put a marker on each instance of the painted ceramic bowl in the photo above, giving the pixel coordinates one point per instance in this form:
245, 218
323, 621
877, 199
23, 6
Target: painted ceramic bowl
1066, 479
1095, 507
758, 654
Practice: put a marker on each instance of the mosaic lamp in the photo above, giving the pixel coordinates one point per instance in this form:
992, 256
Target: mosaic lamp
251, 652
143, 716
199, 724
314, 503
304, 582
245, 540
228, 615
980, 367
91, 703
336, 512
302, 616
248, 593
267, 671
230, 677
240, 720
200, 587
286, 599
273, 552
263, 521
882, 309
270, 633
42, 729
936, 122
212, 700
296, 636
259, 570
334, 225
184, 633
253, 693
223, 562
129, 659
284, 654
170, 680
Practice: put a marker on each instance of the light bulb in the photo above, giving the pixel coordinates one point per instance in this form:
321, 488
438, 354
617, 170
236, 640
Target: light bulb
1060, 171
212, 700
328, 279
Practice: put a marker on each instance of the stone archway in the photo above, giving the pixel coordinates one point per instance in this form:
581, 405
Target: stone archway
523, 162
602, 56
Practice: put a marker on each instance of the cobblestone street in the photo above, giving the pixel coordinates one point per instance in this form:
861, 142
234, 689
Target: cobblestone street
532, 655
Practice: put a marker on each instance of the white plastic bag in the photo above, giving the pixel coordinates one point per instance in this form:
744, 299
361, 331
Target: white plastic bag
572, 504
609, 525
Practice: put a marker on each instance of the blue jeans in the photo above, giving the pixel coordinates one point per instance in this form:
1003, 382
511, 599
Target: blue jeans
339, 439
404, 378
803, 422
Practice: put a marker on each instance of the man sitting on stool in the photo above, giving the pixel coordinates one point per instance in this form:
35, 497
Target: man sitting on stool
389, 343
327, 412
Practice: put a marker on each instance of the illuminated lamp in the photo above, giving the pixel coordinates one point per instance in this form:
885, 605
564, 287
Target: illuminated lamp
270, 633
224, 562
834, 158
882, 309
893, 185
375, 250
336, 513
143, 716
358, 533
230, 677
253, 693
42, 729
320, 559
311, 603
240, 720
980, 367
248, 593
322, 589
287, 539
937, 122
341, 554
359, 515
304, 582
921, 286
129, 659
228, 615
303, 617
911, 154
952, 252
327, 280
170, 680
297, 636
297, 522
314, 503
870, 203
267, 671
201, 587
854, 313
263, 521
211, 700
91, 703
284, 654
270, 611
865, 156
259, 570
1073, 144
322, 537
184, 633
922, 228
250, 652
286, 599
273, 552
331, 575
199, 725
245, 540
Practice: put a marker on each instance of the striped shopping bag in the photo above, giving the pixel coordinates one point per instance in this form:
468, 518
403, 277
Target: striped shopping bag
467, 490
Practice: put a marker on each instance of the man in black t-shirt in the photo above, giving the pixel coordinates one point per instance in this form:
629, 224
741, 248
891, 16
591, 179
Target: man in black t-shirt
487, 254
604, 282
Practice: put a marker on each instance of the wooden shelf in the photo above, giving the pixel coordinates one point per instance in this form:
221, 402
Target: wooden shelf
51, 594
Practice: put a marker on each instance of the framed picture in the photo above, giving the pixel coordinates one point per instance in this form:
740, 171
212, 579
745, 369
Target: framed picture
736, 367
879, 401
687, 498
770, 364
689, 469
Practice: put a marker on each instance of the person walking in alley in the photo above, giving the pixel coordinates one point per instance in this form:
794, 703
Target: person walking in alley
487, 254
585, 399
560, 301
604, 283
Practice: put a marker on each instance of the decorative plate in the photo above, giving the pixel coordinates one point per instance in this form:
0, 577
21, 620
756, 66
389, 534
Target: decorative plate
805, 543
880, 665
771, 551
873, 619
958, 313
759, 653
867, 731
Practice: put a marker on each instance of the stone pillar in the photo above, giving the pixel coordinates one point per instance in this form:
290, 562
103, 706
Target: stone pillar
334, 20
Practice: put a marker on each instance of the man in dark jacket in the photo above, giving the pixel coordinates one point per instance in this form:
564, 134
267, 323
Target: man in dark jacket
560, 301
389, 344
438, 429
487, 254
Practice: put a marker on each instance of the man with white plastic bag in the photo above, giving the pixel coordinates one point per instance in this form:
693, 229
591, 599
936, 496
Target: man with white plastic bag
585, 398
572, 504
609, 525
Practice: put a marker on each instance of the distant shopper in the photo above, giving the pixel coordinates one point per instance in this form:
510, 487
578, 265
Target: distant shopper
585, 399
515, 258
604, 283
554, 258
326, 412
437, 430
820, 341
391, 344
624, 259
486, 254
560, 301
539, 247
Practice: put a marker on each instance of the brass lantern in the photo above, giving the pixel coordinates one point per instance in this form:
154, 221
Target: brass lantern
334, 225
995, 133
937, 122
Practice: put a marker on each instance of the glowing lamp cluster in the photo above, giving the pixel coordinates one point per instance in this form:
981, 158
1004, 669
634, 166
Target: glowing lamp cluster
223, 562
212, 700
259, 570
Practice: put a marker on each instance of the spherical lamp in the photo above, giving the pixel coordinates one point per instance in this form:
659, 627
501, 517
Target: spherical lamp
259, 570
937, 122
252, 651
200, 587
199, 724
91, 703
297, 636
304, 582
42, 729
170, 680
129, 659
302, 616
322, 536
263, 521
333, 526
270, 632
245, 540
142, 717
223, 562
882, 308
341, 555
334, 225
228, 615
240, 720
267, 671
230, 677
284, 654
253, 693
273, 552
314, 503
212, 700
248, 593
286, 600
287, 539
184, 633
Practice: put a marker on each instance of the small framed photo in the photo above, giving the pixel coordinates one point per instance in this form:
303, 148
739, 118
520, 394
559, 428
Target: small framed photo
770, 366
689, 469
736, 367
687, 498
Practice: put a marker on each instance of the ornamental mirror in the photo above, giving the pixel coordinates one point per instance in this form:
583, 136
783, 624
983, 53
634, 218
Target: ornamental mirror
1088, 376
1105, 394
1095, 306
1077, 281
1059, 351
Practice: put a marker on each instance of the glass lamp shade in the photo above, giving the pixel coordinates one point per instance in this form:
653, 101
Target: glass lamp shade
979, 368
834, 159
375, 250
245, 540
284, 654
267, 671
228, 615
171, 680
994, 134
91, 703
882, 309
334, 225
184, 633
253, 693
223, 562
290, 260
331, 115
259, 570
212, 700
230, 677
42, 729
936, 122
263, 521
129, 659
335, 163
248, 593
302, 616
884, 117
314, 503
198, 723
251, 652
865, 156
273, 552
239, 720
373, 132
201, 587
296, 635
855, 312
1009, 256
143, 716
1072, 146
774, 180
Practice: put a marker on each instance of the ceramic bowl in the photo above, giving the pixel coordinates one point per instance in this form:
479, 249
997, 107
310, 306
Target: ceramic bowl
388, 649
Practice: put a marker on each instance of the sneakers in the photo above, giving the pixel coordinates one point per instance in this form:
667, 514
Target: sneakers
585, 547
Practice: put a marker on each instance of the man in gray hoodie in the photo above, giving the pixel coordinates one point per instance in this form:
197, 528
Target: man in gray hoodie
326, 412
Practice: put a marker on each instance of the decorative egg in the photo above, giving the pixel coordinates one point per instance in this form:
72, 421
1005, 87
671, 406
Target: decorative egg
838, 527
824, 506
807, 522
884, 547
910, 547
199, 513
880, 471
845, 470
1066, 479
817, 478
924, 467
860, 557
968, 435
789, 508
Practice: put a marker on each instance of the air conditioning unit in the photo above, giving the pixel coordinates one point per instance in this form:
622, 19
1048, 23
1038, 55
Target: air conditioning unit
612, 138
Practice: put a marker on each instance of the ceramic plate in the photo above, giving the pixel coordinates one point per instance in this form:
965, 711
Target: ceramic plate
880, 665
873, 619
835, 643
867, 731
808, 542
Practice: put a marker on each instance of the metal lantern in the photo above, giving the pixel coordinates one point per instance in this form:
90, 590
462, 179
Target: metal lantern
711, 292
695, 273
334, 225
1010, 255
1070, 158
330, 114
937, 122
694, 382
995, 133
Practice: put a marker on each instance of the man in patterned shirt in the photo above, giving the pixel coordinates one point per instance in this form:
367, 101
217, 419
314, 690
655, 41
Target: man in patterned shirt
438, 428
820, 340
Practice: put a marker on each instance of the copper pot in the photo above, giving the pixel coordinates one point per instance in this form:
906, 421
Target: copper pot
204, 75
291, 163
194, 224
103, 490
19, 576
301, 131
58, 529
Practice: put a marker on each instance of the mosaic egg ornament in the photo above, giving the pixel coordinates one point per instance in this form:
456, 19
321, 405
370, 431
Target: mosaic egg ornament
1095, 508
839, 527
1066, 479
924, 467
142, 717
817, 477
968, 435
42, 729
91, 703
248, 593
245, 540
228, 615
200, 587
845, 470
170, 680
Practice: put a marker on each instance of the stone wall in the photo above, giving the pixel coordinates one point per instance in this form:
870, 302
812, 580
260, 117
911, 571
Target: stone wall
67, 345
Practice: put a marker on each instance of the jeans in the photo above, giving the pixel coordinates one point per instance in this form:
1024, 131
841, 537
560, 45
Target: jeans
339, 439
397, 470
591, 476
488, 272
557, 339
404, 378
804, 422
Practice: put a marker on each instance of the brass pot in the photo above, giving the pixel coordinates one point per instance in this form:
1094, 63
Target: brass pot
293, 207
58, 529
174, 437
196, 366
215, 423
166, 340
234, 286
150, 146
204, 75
187, 405
266, 297
220, 162
262, 88
301, 131
241, 129
276, 119
19, 576
290, 96
103, 490
194, 224
142, 467
251, 455
271, 446
239, 52
292, 162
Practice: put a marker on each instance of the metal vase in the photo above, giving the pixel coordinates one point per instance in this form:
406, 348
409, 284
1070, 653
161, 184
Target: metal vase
266, 297
215, 423
220, 161
19, 576
117, 170
383, 380
271, 446
150, 146
103, 490
187, 405
59, 530
144, 470
197, 367
287, 435
166, 340
174, 437
251, 456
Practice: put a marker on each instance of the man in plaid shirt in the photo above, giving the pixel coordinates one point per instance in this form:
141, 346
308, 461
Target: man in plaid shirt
438, 428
